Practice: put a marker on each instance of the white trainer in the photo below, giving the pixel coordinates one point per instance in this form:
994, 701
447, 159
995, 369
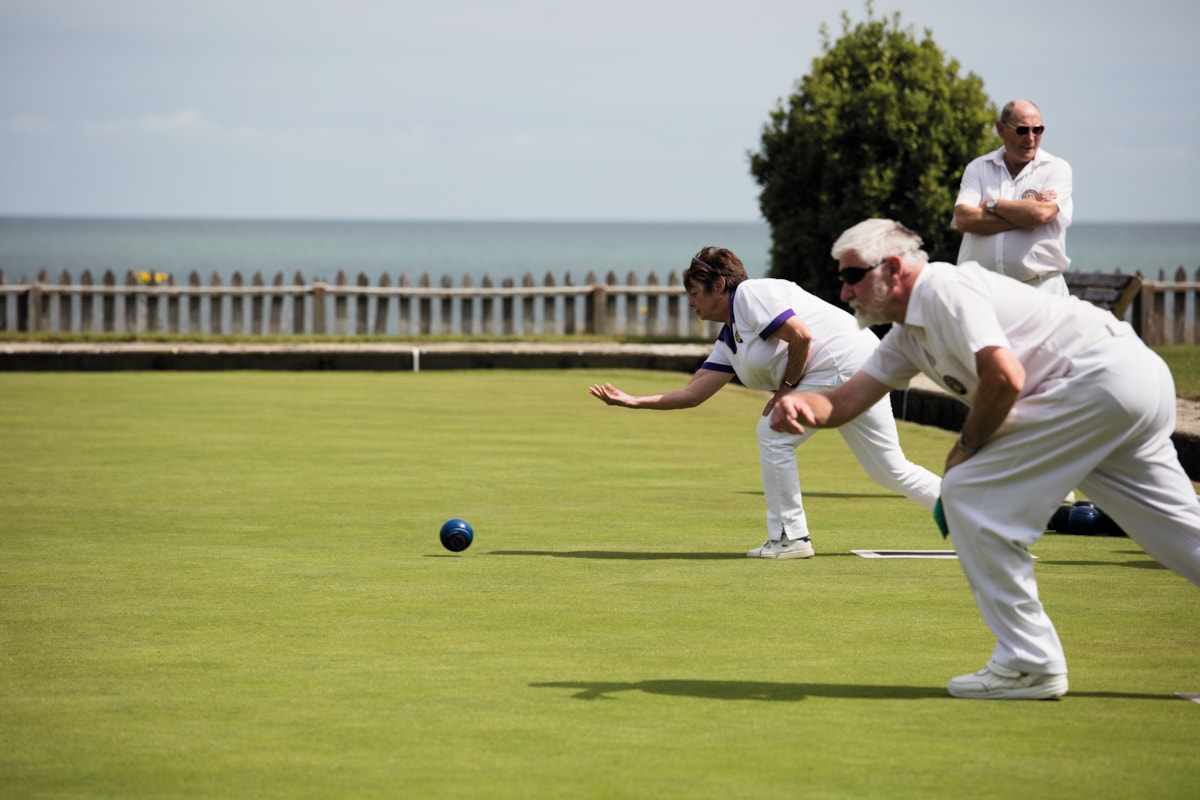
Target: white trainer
783, 548
995, 682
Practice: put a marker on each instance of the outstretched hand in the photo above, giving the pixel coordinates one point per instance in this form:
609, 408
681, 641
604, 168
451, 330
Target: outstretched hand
610, 395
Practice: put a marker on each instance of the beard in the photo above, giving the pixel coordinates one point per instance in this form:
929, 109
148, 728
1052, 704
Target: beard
868, 311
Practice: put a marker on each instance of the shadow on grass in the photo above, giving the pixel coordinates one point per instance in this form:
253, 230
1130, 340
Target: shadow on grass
625, 555
783, 692
837, 495
744, 690
620, 555
1140, 564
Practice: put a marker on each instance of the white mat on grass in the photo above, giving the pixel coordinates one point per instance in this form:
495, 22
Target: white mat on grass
906, 553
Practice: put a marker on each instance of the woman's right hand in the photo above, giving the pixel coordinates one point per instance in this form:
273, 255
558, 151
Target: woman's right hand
611, 395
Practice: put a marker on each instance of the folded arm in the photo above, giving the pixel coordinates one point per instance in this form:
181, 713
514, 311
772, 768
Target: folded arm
1009, 215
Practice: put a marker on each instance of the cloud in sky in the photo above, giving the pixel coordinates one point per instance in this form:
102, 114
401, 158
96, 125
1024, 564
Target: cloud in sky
530, 109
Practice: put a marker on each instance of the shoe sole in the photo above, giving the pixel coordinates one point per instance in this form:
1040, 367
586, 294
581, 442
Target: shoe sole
1051, 689
784, 555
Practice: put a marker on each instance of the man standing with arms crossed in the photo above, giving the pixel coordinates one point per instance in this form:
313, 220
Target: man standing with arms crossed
1014, 205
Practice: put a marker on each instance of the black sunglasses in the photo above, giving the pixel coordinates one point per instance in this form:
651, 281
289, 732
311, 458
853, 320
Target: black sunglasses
853, 275
1023, 130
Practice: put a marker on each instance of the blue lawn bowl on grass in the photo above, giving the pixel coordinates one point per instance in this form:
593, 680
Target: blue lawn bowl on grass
1084, 518
456, 535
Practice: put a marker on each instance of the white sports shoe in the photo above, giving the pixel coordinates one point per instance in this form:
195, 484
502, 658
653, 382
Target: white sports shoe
783, 548
995, 682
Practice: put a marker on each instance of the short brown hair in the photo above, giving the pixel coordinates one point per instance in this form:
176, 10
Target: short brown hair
711, 263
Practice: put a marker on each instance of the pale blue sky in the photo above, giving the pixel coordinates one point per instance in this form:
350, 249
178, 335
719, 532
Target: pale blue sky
533, 109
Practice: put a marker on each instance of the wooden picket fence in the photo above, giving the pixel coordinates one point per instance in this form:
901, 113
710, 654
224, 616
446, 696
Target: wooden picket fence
151, 303
1163, 311
1168, 311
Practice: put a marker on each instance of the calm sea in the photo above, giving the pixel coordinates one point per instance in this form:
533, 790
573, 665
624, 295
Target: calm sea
497, 250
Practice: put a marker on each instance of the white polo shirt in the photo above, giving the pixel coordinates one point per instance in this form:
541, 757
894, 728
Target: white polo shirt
1027, 255
757, 309
954, 312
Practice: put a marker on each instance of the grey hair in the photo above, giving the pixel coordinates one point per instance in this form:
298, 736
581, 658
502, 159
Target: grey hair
875, 239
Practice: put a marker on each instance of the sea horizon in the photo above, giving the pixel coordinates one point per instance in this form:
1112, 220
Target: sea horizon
452, 249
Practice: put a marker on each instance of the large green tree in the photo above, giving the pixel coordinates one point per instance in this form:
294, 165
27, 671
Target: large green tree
882, 127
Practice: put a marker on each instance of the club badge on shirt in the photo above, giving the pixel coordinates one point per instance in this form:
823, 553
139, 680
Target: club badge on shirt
955, 384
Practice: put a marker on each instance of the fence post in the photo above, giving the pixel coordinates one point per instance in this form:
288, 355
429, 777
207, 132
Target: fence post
466, 308
570, 309
257, 318
404, 308
339, 304
216, 306
424, 308
299, 301
237, 303
632, 318
550, 316
383, 307
29, 307
194, 301
1179, 309
507, 325
446, 308
676, 306
1194, 323
488, 310
529, 303
596, 318
173, 302
132, 301
274, 315
86, 302
1153, 314
108, 311
62, 305
361, 324
320, 289
153, 303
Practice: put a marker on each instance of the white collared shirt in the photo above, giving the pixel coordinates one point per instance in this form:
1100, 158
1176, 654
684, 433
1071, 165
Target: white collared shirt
954, 312
747, 347
1027, 255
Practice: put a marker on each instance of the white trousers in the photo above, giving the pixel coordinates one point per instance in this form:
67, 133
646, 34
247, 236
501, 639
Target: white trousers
1105, 428
1055, 285
873, 439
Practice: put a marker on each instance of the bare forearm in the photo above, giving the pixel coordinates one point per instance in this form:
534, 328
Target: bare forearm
980, 222
1008, 215
830, 408
668, 401
703, 385
1001, 378
1027, 214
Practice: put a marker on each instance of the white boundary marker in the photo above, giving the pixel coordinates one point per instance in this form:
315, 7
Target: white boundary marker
907, 554
1195, 698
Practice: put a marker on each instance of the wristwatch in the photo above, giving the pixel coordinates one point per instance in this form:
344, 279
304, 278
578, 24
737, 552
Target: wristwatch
991, 205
